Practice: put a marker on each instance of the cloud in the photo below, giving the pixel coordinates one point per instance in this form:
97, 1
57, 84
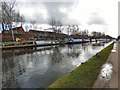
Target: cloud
96, 19
59, 10
32, 11
42, 12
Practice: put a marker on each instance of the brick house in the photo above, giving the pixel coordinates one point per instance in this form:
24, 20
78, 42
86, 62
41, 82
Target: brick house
16, 30
45, 34
18, 33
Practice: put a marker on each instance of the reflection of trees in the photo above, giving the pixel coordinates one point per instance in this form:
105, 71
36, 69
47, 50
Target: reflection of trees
73, 51
20, 51
97, 44
85, 46
9, 73
56, 56
14, 65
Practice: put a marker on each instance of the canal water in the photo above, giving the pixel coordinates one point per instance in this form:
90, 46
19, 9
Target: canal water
40, 66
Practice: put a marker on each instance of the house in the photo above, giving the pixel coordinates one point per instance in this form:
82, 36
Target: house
46, 35
77, 36
18, 33
16, 30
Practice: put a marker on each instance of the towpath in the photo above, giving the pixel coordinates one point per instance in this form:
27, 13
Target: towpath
114, 58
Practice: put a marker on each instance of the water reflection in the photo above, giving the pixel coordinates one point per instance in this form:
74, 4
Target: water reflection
56, 56
98, 44
73, 51
8, 74
39, 67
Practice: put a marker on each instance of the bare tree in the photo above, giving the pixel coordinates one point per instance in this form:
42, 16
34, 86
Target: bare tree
75, 29
68, 30
56, 25
33, 23
18, 18
9, 15
59, 27
52, 22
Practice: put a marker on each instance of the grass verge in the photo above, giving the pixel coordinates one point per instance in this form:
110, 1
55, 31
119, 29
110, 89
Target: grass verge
86, 74
10, 42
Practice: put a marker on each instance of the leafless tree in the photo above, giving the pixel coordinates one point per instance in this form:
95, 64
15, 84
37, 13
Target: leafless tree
9, 15
68, 30
85, 32
75, 29
98, 34
56, 25
52, 22
18, 18
33, 23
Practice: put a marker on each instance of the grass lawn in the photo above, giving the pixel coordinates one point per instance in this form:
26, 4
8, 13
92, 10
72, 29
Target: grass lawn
11, 43
86, 74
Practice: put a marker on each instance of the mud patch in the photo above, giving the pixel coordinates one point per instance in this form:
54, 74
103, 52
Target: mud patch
105, 74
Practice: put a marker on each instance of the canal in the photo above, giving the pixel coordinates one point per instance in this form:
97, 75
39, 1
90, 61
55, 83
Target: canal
40, 66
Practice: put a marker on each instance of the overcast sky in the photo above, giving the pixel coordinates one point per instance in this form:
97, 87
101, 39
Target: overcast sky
94, 15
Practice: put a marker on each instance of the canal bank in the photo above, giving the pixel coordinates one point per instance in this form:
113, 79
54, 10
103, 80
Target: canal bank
26, 46
85, 75
113, 80
38, 45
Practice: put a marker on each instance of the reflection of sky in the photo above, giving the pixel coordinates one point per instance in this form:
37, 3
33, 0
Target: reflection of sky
41, 68
85, 55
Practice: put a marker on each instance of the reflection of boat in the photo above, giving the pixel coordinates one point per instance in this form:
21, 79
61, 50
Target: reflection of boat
71, 40
21, 51
70, 46
98, 44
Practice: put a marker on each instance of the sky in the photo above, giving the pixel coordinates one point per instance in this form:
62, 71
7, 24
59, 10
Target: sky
94, 15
